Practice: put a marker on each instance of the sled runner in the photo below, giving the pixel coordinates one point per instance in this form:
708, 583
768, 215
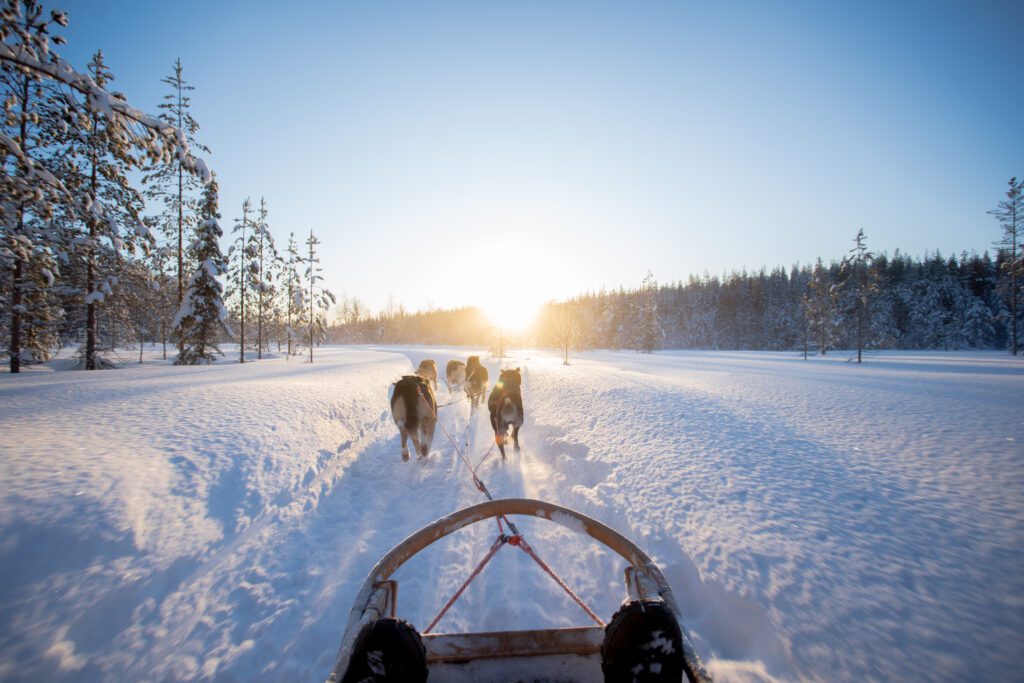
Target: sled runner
644, 641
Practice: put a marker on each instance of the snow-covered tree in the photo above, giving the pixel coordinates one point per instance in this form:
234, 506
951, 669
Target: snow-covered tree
112, 226
169, 181
294, 305
858, 289
161, 265
1010, 214
28, 191
977, 324
648, 333
240, 273
202, 315
42, 92
264, 258
318, 299
819, 307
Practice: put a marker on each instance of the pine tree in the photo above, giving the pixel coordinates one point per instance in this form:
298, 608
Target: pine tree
1010, 214
318, 299
264, 257
649, 332
169, 181
28, 189
240, 272
113, 228
202, 314
819, 304
859, 289
160, 262
294, 307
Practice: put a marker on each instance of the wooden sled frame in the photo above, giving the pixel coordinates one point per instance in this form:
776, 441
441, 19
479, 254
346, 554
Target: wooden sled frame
378, 594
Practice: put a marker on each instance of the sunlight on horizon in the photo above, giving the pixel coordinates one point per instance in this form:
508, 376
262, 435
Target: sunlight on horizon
512, 315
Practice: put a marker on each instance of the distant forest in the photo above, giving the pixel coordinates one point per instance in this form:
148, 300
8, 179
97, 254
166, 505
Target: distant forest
903, 302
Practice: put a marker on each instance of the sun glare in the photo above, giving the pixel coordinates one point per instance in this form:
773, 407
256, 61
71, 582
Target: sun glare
514, 315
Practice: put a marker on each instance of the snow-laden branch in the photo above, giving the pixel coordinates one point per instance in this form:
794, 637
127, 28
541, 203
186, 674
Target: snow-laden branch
34, 169
105, 104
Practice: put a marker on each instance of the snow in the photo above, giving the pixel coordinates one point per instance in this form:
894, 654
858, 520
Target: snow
817, 520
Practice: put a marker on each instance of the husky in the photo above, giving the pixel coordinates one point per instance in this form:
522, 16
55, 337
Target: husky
454, 374
476, 381
506, 408
414, 410
428, 370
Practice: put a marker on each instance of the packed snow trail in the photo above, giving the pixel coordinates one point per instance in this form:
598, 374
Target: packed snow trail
817, 520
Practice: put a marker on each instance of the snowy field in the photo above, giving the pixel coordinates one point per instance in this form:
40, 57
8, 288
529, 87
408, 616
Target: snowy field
818, 520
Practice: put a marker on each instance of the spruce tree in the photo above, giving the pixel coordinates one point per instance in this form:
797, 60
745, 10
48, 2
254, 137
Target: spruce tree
202, 315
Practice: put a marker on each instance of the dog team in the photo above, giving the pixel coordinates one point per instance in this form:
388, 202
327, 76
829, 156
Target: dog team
414, 402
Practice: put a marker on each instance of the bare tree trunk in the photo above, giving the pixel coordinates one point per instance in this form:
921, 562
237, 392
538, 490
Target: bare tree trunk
90, 286
90, 318
312, 279
19, 267
259, 326
1013, 278
181, 239
805, 335
241, 282
16, 297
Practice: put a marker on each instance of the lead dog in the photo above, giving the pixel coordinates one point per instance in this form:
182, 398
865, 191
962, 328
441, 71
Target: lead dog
476, 381
455, 374
414, 410
428, 370
506, 408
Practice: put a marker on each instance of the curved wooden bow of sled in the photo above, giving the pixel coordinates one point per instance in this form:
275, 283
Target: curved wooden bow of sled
377, 595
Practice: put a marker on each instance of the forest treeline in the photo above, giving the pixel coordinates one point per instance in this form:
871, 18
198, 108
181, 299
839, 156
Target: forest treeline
930, 302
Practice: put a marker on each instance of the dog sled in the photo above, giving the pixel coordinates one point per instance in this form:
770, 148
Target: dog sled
643, 641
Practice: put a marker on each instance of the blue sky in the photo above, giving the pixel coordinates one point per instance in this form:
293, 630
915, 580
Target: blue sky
442, 151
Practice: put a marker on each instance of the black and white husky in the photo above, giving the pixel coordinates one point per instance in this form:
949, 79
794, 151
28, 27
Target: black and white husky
506, 408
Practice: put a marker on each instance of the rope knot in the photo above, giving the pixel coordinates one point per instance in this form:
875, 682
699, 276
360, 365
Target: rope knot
515, 539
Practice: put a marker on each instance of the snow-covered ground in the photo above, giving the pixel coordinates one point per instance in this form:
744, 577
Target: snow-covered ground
818, 520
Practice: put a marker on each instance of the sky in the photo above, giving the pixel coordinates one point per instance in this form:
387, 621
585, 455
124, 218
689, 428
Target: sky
505, 154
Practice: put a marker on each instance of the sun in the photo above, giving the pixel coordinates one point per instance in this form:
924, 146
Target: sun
513, 314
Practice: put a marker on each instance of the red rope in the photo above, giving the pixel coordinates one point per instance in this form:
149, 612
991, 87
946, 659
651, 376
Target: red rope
500, 541
519, 541
476, 480
483, 459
